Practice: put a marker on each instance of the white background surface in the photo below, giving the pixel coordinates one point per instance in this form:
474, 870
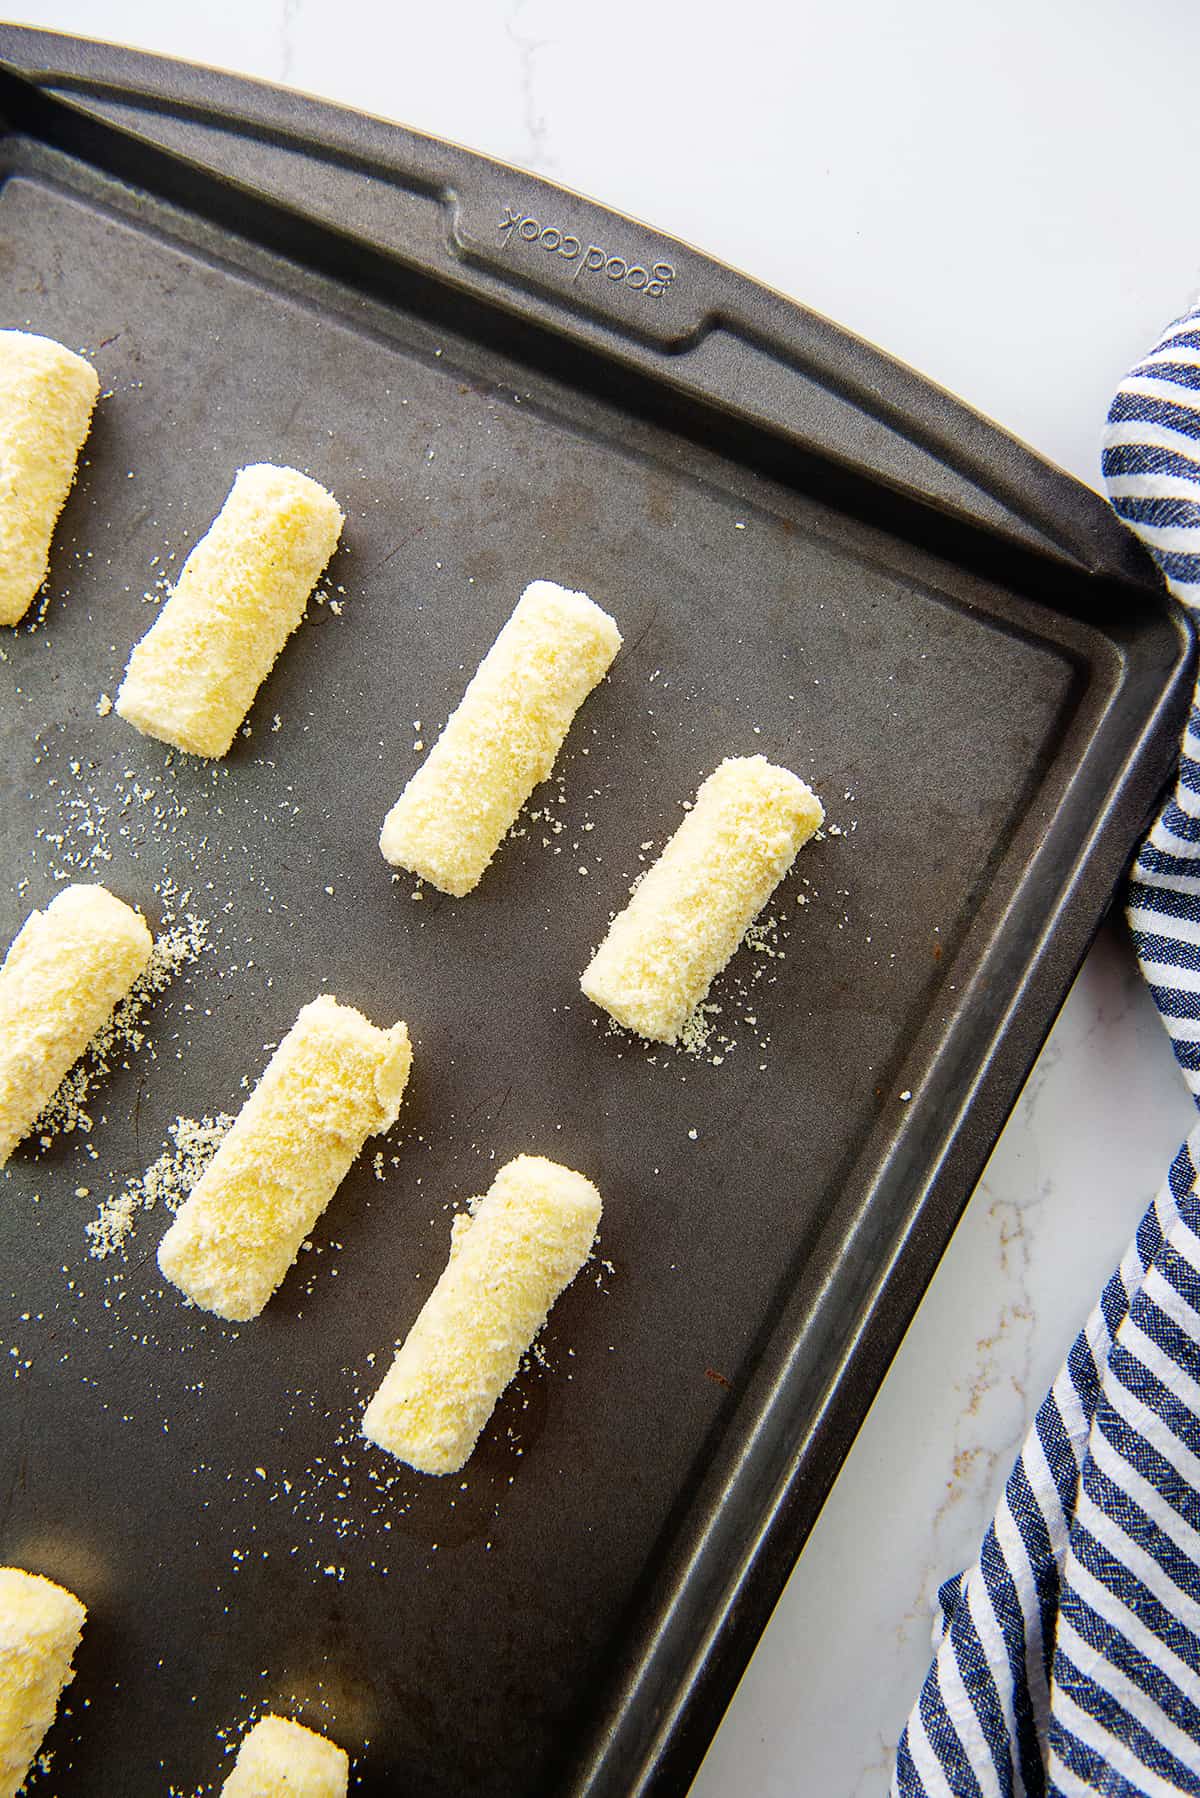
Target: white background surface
1006, 198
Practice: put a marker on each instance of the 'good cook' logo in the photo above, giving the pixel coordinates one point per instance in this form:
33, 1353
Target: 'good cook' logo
653, 281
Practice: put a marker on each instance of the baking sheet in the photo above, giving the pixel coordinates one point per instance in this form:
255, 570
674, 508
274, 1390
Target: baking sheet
203, 1486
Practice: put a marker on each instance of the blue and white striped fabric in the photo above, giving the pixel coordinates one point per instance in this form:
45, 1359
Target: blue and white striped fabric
1068, 1656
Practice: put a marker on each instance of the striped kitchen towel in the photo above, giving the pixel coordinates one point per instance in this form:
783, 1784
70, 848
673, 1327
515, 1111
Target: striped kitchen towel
1068, 1655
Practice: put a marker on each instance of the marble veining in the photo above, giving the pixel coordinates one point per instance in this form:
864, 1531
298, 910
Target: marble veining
538, 155
289, 18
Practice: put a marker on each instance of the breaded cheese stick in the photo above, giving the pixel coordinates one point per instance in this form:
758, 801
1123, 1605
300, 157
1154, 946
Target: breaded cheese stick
334, 1080
40, 1627
530, 1236
47, 396
502, 739
282, 1759
67, 968
691, 910
239, 597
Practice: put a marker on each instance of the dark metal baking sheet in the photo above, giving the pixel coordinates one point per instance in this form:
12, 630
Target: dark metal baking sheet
809, 552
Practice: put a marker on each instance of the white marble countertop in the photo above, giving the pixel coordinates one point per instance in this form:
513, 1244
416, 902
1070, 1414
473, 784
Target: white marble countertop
991, 198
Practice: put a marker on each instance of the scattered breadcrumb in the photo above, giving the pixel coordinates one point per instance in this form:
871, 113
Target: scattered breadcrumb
169, 1178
